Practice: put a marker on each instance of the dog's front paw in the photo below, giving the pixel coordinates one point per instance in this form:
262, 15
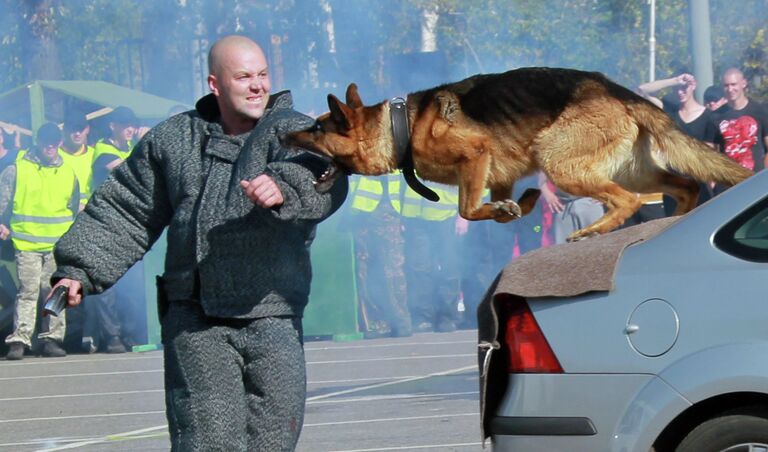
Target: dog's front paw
508, 208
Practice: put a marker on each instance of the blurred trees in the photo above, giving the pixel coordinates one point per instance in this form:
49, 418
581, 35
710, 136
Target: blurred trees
317, 46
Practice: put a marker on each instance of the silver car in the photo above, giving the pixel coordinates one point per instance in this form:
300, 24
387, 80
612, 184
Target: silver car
650, 338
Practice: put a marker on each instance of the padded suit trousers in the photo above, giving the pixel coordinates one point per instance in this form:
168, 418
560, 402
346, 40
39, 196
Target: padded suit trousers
232, 384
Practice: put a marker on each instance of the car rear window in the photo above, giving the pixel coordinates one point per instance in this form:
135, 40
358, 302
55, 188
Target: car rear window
746, 236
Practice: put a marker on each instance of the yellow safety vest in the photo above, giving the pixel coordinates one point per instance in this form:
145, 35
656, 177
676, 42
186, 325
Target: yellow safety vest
415, 206
83, 166
368, 192
103, 147
41, 205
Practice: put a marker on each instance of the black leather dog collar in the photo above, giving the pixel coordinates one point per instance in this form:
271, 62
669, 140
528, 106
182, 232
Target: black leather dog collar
398, 114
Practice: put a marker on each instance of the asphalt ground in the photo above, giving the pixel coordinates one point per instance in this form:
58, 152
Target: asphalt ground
416, 393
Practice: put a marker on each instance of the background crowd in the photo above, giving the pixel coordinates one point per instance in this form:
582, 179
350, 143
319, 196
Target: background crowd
42, 188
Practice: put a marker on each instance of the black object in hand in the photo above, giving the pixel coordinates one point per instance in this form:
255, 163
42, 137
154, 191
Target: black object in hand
57, 302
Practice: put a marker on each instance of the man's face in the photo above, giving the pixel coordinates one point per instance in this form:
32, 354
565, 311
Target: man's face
685, 92
241, 83
713, 105
49, 152
79, 137
734, 86
122, 132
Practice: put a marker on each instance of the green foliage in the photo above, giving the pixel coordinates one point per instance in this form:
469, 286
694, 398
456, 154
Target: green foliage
160, 45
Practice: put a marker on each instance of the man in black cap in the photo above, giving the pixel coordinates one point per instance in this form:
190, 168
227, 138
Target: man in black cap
76, 153
44, 202
115, 148
109, 153
714, 99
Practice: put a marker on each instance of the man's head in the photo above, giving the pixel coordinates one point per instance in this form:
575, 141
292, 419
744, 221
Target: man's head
714, 97
734, 86
685, 90
75, 129
239, 78
48, 139
122, 123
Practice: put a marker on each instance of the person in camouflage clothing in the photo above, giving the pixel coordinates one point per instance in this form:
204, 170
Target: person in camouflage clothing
44, 196
379, 255
241, 212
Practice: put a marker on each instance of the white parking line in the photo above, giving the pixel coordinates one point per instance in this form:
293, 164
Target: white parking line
425, 446
392, 397
105, 438
395, 358
88, 394
391, 419
94, 374
81, 416
395, 344
355, 380
390, 383
43, 442
50, 361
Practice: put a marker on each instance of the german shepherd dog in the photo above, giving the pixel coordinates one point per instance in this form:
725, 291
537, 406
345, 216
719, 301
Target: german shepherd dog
589, 135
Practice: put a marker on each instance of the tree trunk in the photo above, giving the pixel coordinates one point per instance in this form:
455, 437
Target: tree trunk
40, 53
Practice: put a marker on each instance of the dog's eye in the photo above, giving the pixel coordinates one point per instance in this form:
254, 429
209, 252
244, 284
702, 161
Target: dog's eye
317, 127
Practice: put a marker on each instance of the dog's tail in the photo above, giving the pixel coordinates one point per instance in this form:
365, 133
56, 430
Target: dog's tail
684, 153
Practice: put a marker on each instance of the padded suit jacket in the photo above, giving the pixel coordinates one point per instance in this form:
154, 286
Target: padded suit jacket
237, 259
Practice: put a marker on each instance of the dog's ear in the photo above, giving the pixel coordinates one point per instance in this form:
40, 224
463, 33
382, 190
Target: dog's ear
353, 99
447, 105
340, 113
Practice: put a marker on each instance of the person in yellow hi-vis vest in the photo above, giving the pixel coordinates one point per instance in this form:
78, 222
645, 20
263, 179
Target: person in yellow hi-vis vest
75, 152
104, 326
432, 264
45, 196
374, 218
113, 149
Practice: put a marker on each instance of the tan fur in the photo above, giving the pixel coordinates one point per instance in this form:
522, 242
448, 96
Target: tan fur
590, 136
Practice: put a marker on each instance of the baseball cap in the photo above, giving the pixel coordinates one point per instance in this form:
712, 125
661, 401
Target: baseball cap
713, 94
48, 134
123, 115
75, 122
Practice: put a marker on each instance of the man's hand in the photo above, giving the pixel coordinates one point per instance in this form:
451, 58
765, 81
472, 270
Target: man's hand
551, 199
75, 295
263, 191
4, 232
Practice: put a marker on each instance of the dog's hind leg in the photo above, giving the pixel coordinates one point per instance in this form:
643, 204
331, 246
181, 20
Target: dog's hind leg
620, 204
684, 190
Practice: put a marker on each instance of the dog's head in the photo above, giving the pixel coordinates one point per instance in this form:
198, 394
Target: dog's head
356, 137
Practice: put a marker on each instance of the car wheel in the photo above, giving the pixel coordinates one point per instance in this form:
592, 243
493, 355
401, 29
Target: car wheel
739, 431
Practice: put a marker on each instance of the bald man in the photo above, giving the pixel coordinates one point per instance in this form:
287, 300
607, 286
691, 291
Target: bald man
742, 128
241, 212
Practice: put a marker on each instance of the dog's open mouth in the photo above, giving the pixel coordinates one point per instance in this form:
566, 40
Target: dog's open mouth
329, 176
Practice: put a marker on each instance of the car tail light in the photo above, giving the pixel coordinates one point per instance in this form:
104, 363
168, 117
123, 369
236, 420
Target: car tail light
529, 351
